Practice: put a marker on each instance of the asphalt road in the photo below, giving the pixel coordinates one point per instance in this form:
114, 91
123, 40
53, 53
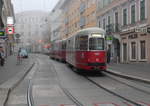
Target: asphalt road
55, 84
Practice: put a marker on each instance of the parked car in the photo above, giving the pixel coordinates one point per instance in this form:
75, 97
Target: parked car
24, 53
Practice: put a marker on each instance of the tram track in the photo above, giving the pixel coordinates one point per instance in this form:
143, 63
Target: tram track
125, 98
30, 100
111, 92
129, 83
78, 103
66, 91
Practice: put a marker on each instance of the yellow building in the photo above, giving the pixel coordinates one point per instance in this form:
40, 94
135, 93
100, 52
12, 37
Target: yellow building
78, 14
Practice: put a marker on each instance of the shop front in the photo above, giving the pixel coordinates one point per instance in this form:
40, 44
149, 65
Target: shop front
135, 46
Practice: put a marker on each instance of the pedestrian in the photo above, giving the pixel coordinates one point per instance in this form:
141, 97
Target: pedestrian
108, 55
19, 57
2, 56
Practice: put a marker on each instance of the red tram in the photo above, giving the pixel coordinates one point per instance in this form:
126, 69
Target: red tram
84, 50
58, 50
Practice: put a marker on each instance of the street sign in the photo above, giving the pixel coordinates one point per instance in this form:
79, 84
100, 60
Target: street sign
2, 34
10, 30
17, 36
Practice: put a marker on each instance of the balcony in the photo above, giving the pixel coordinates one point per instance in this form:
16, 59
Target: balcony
113, 28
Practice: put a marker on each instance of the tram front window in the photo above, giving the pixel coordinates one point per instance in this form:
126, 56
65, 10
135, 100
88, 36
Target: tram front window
96, 43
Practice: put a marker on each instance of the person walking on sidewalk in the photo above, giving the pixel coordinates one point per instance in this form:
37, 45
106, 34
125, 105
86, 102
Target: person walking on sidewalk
19, 57
108, 55
2, 56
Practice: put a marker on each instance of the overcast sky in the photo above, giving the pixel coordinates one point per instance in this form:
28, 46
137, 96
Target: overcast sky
25, 5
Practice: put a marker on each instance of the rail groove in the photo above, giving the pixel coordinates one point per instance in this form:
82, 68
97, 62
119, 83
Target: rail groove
104, 88
30, 100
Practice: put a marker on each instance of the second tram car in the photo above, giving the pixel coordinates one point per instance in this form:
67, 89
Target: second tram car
87, 49
58, 50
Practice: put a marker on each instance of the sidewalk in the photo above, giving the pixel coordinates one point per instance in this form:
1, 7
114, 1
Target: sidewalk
137, 70
10, 68
11, 74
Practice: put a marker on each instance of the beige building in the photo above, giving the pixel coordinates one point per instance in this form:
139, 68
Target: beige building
127, 22
78, 14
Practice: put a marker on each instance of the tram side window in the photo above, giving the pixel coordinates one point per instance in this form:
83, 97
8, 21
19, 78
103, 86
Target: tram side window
77, 46
63, 46
68, 45
83, 42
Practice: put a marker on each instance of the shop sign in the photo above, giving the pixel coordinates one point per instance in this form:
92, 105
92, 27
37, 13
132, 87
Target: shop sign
134, 36
141, 30
2, 34
109, 40
10, 21
148, 29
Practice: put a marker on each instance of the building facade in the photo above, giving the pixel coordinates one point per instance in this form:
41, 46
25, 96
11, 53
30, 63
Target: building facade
6, 11
33, 29
78, 14
1, 22
127, 22
56, 21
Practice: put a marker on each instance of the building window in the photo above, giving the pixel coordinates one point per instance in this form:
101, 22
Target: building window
124, 52
132, 14
124, 16
99, 24
116, 17
143, 49
133, 50
142, 10
104, 24
116, 22
109, 20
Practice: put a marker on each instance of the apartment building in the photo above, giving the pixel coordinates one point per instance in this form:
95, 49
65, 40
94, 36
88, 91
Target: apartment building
33, 28
127, 23
56, 20
78, 14
1, 22
6, 11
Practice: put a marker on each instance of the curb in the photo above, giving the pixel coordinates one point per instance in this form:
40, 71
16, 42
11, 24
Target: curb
9, 85
131, 77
